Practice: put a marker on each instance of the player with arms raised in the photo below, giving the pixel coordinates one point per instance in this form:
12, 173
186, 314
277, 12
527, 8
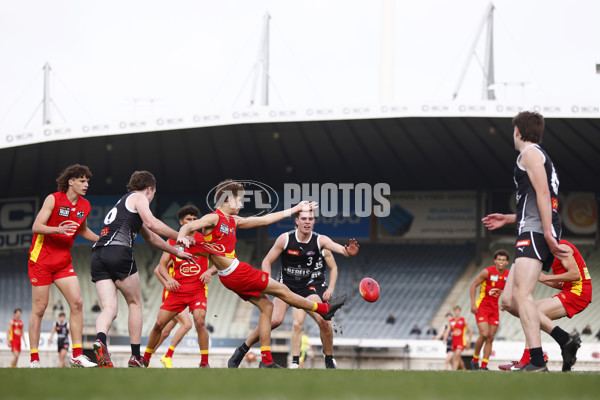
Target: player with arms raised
219, 230
485, 307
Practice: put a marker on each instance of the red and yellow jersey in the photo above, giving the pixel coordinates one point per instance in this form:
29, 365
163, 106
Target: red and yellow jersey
16, 330
221, 240
54, 250
581, 287
457, 327
187, 273
492, 287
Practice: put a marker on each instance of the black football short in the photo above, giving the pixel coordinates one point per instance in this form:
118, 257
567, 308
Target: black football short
533, 245
112, 262
63, 344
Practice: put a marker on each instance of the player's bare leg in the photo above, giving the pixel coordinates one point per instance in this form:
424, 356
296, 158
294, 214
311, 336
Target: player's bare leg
69, 287
163, 318
456, 363
299, 317
131, 289
279, 309
278, 289
39, 304
164, 334
15, 359
326, 333
61, 358
107, 294
200, 323
265, 306
449, 360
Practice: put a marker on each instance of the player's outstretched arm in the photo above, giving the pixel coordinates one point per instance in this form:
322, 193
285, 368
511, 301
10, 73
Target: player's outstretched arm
274, 253
162, 273
253, 222
346, 251
141, 204
333, 274
483, 275
207, 275
208, 221
156, 241
495, 221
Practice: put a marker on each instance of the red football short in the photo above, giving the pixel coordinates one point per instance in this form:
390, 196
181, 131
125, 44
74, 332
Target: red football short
458, 343
15, 345
178, 302
572, 303
245, 281
42, 275
489, 314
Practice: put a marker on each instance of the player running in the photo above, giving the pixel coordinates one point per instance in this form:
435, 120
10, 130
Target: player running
184, 287
113, 265
301, 254
61, 329
14, 336
219, 230
485, 307
572, 277
62, 218
457, 327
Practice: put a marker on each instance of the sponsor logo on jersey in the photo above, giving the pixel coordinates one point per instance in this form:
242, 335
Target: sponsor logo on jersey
555, 204
293, 252
494, 278
224, 229
180, 248
521, 243
104, 231
189, 269
80, 214
310, 253
64, 211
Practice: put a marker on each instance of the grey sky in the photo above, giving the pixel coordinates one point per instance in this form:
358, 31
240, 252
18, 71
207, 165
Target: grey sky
110, 58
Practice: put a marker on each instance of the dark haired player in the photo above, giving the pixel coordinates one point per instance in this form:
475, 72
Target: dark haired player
485, 306
301, 253
219, 230
538, 233
62, 218
61, 329
113, 265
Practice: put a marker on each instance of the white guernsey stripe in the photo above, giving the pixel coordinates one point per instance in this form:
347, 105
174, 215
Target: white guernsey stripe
534, 248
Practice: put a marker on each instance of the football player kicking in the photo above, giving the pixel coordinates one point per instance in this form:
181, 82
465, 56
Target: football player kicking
185, 286
219, 232
301, 252
570, 274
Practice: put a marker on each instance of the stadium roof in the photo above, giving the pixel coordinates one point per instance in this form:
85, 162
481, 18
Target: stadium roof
425, 152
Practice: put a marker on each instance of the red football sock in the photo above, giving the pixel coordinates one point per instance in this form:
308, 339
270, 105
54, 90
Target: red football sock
204, 356
475, 359
148, 355
169, 353
525, 359
267, 358
35, 356
321, 308
484, 363
77, 351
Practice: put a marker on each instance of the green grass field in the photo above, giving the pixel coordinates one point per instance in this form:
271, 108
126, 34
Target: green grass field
250, 384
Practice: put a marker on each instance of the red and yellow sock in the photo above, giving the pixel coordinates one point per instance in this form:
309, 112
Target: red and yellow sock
265, 351
484, 362
148, 354
321, 308
526, 358
169, 353
475, 359
203, 356
35, 356
77, 351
